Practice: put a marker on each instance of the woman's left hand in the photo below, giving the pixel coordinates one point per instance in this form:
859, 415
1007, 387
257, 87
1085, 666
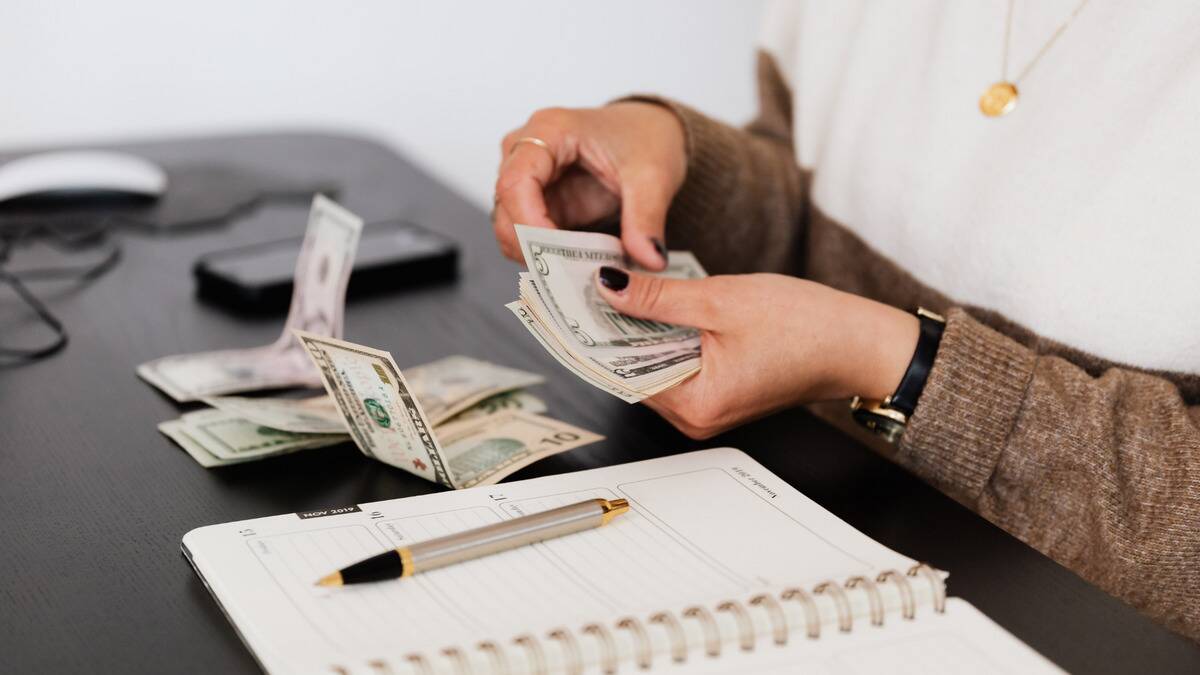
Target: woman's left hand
768, 342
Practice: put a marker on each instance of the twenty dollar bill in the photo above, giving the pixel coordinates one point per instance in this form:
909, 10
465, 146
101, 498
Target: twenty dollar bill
381, 413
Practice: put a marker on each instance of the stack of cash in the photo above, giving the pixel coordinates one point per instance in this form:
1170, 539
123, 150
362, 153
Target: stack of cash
458, 421
488, 426
241, 428
628, 357
384, 415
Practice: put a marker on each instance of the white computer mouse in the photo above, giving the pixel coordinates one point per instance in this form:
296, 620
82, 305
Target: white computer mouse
81, 173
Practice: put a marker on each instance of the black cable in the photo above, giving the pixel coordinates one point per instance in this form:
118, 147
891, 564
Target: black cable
43, 312
7, 243
78, 234
17, 282
65, 241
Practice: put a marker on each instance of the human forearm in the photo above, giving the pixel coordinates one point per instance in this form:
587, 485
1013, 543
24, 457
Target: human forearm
1102, 473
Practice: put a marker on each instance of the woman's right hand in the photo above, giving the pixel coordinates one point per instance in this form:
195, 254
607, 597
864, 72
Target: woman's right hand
627, 159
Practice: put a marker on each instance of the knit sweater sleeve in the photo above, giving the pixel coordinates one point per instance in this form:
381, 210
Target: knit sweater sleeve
741, 204
1101, 473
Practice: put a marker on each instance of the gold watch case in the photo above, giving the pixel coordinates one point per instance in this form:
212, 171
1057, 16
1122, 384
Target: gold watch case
876, 416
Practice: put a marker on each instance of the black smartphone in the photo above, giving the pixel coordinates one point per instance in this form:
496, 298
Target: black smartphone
391, 255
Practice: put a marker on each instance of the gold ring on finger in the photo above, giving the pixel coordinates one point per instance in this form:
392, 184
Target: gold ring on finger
533, 140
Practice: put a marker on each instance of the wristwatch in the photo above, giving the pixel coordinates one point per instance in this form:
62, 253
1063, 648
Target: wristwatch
889, 417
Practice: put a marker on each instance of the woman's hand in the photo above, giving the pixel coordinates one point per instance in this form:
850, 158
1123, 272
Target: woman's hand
769, 342
627, 159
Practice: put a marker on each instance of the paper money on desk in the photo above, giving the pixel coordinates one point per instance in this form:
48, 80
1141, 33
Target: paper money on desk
484, 450
217, 438
379, 408
449, 386
509, 401
387, 422
318, 301
319, 414
312, 415
244, 428
558, 303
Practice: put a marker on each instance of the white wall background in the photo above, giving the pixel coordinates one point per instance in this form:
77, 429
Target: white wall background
440, 81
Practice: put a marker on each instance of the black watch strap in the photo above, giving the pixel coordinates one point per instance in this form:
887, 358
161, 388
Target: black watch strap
913, 382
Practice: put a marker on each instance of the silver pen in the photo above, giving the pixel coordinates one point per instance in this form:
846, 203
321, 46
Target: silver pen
404, 561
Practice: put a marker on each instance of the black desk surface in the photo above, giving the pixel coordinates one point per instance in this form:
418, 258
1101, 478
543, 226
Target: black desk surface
93, 500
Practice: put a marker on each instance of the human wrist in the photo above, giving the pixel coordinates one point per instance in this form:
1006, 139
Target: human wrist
711, 166
885, 339
659, 109
666, 118
665, 127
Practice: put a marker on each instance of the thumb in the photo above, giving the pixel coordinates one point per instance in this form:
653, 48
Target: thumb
685, 302
643, 221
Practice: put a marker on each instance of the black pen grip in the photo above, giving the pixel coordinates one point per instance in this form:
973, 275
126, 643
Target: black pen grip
376, 568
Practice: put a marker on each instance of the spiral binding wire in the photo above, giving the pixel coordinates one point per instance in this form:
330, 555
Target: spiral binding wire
712, 632
608, 647
380, 666
643, 652
908, 603
571, 648
841, 601
779, 627
744, 623
674, 633
874, 599
537, 657
419, 663
495, 656
812, 613
935, 583
772, 605
458, 658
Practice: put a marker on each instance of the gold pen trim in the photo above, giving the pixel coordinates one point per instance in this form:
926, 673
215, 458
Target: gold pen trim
612, 509
333, 579
406, 562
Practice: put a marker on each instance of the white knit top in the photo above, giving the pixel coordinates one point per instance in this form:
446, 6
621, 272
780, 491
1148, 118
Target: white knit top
1076, 215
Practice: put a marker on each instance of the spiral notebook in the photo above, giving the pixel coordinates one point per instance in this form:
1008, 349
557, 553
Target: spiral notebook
720, 567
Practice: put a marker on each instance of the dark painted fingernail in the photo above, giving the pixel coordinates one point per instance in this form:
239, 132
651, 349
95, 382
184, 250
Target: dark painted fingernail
614, 279
660, 247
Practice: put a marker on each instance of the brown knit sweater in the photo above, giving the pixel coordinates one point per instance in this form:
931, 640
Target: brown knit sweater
1095, 464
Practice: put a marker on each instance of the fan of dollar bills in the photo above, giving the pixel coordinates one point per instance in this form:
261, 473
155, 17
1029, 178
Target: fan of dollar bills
628, 357
458, 421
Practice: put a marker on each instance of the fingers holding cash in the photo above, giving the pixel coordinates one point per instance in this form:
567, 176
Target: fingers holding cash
559, 304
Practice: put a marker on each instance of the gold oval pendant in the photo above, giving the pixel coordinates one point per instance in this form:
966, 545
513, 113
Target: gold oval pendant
999, 99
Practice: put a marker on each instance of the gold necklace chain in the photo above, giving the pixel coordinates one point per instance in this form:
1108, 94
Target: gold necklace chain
1001, 97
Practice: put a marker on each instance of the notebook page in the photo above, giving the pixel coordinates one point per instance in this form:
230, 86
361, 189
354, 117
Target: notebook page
701, 523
